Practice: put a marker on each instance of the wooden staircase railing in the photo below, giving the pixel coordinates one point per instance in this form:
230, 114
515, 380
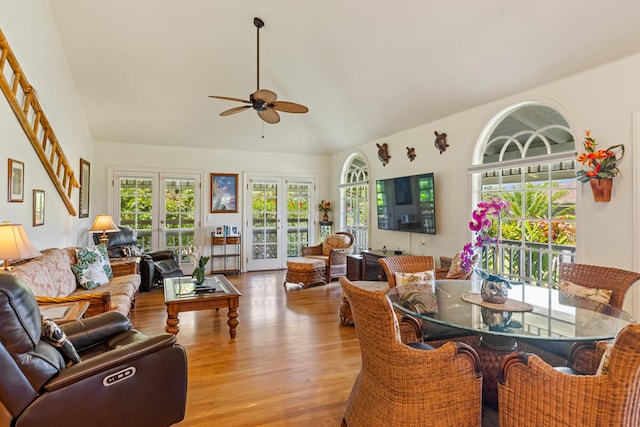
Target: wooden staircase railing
25, 105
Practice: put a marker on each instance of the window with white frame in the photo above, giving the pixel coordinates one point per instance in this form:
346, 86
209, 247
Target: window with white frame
354, 195
528, 159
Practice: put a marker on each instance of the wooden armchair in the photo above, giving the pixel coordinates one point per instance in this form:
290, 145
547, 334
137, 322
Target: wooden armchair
531, 392
333, 251
400, 385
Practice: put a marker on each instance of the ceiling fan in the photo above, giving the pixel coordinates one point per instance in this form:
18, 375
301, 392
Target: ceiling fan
263, 100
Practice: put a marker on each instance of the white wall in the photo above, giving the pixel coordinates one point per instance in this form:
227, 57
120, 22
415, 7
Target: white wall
602, 99
31, 32
204, 161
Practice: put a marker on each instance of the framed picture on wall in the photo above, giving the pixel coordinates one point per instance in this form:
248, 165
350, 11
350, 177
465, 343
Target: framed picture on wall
16, 181
85, 185
38, 207
224, 192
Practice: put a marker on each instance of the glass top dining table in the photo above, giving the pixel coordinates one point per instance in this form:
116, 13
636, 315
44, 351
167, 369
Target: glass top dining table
552, 315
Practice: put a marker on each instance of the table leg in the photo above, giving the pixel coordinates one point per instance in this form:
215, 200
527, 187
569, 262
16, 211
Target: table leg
233, 321
172, 320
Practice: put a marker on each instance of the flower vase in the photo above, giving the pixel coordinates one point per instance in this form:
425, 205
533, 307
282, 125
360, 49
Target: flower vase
198, 275
494, 291
601, 189
325, 218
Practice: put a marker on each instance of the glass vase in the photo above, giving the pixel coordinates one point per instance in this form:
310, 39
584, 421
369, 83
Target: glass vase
198, 275
494, 291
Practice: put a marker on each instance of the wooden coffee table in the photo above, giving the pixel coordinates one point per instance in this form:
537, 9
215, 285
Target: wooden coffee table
180, 294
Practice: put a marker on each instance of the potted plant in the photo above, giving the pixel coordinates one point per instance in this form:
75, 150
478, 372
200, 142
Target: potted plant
199, 264
599, 167
325, 207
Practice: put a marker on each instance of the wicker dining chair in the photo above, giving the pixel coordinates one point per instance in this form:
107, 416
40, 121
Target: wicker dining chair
405, 264
532, 393
585, 358
400, 385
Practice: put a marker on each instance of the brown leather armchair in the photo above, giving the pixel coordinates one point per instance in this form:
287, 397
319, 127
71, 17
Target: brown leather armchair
123, 378
333, 251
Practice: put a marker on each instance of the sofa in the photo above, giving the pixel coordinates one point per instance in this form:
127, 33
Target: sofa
154, 266
52, 280
333, 252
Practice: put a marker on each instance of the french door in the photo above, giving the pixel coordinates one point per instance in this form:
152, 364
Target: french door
279, 221
163, 208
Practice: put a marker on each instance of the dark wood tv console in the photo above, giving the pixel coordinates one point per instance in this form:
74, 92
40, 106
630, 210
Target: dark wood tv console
371, 269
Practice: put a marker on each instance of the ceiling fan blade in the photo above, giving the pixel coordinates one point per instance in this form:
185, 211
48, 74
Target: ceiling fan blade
289, 107
235, 110
230, 99
265, 95
269, 115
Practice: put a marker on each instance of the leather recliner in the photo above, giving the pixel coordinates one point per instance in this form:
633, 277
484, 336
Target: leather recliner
123, 377
154, 266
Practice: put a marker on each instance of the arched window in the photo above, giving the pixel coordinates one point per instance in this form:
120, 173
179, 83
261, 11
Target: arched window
354, 195
526, 155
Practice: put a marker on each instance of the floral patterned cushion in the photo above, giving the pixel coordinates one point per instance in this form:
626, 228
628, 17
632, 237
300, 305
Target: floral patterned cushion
92, 270
420, 277
49, 274
598, 295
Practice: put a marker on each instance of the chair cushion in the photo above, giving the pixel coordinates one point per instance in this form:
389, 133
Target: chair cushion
603, 368
305, 264
598, 295
52, 334
419, 345
419, 277
167, 267
335, 241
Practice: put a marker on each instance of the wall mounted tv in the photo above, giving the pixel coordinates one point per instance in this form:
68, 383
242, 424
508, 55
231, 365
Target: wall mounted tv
407, 204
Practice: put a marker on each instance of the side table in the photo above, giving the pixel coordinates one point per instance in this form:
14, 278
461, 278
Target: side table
354, 267
64, 312
123, 266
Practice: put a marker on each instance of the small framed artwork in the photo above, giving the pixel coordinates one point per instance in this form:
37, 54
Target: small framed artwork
234, 231
38, 207
219, 231
224, 191
85, 185
16, 181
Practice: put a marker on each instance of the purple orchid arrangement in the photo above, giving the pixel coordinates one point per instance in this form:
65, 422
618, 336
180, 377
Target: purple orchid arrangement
481, 222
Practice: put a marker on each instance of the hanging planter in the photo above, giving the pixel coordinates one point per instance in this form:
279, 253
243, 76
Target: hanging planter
600, 167
601, 189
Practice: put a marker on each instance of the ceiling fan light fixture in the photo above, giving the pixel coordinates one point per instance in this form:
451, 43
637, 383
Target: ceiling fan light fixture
263, 101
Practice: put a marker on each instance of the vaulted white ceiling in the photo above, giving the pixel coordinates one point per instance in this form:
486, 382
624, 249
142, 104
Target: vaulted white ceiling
144, 68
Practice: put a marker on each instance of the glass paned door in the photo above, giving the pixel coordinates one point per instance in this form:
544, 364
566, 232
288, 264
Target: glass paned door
162, 208
298, 217
272, 241
264, 226
179, 215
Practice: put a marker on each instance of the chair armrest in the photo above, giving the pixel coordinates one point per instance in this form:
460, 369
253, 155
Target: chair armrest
410, 329
162, 254
312, 250
585, 357
110, 359
99, 302
86, 333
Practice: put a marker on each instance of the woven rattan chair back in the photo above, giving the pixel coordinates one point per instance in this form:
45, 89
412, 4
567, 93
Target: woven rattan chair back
531, 392
405, 264
594, 276
401, 385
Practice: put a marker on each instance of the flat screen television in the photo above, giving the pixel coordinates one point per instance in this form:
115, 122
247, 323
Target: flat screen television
407, 203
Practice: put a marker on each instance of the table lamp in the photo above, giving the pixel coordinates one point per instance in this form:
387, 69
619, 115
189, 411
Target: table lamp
14, 244
103, 223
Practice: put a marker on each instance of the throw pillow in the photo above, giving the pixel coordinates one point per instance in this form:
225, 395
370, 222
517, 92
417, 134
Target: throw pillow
52, 334
90, 270
598, 295
420, 277
97, 253
603, 368
456, 272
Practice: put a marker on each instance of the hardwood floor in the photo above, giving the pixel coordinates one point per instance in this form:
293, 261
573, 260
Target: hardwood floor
290, 364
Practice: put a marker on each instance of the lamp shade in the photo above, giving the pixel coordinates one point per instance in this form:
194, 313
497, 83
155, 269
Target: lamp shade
14, 244
103, 223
